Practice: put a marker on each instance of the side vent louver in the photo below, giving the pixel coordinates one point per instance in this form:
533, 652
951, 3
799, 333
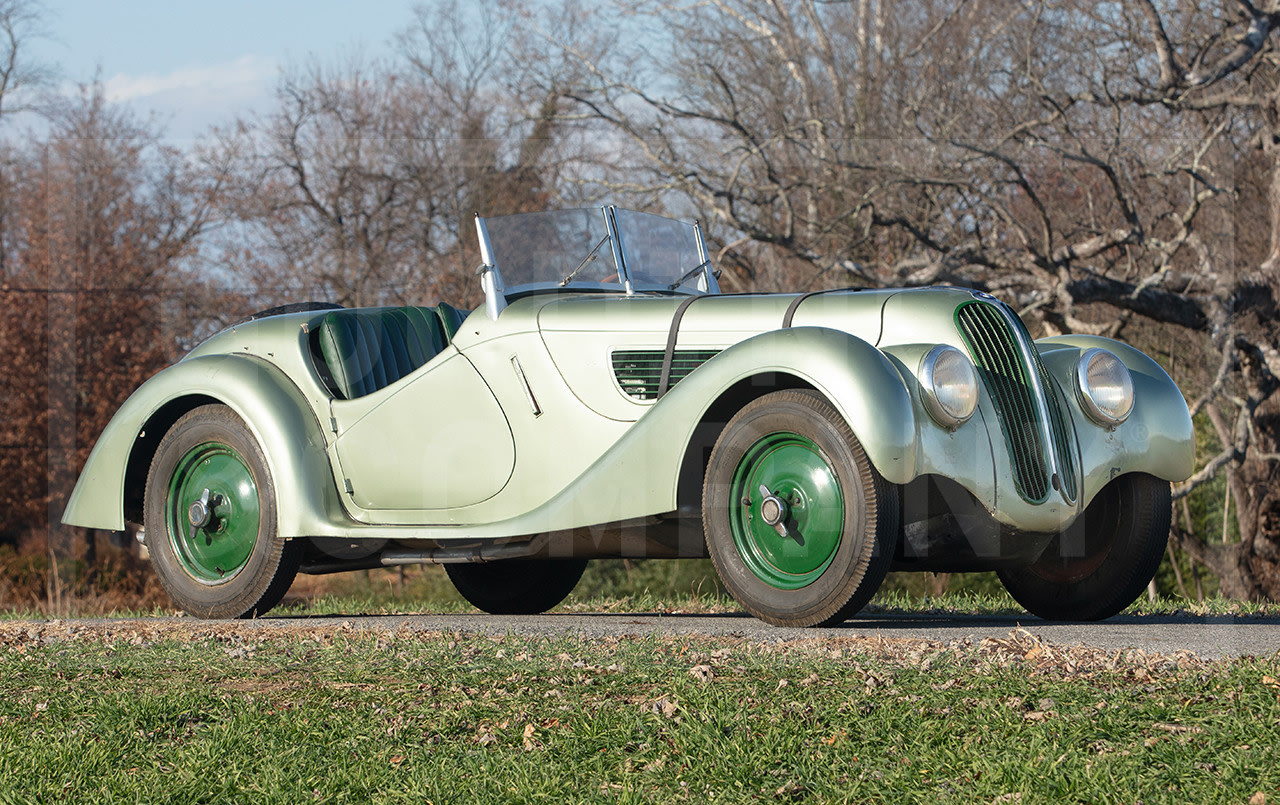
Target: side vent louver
639, 371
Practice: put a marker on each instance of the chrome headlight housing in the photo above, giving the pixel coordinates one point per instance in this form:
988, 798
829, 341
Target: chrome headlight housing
948, 386
1104, 387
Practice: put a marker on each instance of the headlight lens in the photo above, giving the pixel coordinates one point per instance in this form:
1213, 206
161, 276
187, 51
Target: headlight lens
1105, 387
949, 386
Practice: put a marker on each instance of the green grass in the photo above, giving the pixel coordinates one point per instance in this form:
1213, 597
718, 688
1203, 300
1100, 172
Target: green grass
1000, 603
608, 585
366, 599
222, 714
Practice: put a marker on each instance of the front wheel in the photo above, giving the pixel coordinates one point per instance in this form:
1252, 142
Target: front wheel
799, 524
210, 516
1103, 561
516, 586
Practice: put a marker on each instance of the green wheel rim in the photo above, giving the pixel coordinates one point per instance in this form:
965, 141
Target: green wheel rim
795, 471
215, 553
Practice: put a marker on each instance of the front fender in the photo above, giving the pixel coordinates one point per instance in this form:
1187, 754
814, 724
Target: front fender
269, 403
639, 475
1157, 438
858, 379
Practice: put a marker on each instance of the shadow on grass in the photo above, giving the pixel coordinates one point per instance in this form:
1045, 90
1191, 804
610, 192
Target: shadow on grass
862, 621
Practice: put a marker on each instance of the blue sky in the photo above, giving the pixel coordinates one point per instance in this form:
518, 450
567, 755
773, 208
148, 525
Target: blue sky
195, 64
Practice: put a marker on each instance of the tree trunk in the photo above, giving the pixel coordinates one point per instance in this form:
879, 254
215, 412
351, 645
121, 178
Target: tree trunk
1256, 481
1230, 563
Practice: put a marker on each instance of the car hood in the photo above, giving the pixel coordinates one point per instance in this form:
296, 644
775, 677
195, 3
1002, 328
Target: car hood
606, 345
881, 317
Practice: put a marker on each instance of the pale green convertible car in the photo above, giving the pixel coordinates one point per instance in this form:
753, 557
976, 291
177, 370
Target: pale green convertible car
608, 401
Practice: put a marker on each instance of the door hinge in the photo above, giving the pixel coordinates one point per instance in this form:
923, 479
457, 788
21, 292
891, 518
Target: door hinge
333, 424
347, 483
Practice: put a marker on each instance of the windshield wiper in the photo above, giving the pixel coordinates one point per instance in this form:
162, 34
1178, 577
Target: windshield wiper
689, 274
585, 261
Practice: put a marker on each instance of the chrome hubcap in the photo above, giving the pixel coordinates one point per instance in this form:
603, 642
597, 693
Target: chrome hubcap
773, 510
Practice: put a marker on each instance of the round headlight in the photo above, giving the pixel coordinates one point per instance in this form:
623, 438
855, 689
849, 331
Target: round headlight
949, 386
1105, 387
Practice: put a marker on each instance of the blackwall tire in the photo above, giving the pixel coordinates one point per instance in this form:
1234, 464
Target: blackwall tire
816, 547
1103, 562
516, 586
233, 565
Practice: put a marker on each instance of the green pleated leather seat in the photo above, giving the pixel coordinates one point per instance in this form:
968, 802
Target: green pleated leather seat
366, 349
451, 318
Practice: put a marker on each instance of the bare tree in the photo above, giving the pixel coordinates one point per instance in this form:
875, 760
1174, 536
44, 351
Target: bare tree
777, 117
337, 189
21, 78
1219, 65
360, 186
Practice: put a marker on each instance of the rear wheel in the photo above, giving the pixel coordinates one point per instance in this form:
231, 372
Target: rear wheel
516, 586
1104, 560
210, 515
799, 525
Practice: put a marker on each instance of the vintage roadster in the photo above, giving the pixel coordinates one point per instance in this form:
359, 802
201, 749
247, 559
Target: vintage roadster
608, 401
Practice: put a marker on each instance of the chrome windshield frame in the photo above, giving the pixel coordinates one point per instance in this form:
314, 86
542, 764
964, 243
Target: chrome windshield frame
709, 283
619, 255
495, 293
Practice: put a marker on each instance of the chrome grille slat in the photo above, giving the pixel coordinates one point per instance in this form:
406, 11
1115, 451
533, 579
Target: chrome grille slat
1006, 379
997, 344
1014, 391
1057, 422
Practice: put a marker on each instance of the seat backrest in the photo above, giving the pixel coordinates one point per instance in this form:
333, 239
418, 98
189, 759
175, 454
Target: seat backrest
451, 318
366, 349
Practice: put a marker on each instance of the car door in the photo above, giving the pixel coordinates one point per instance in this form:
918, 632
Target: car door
435, 441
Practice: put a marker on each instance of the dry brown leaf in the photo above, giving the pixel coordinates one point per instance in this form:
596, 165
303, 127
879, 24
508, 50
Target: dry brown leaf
528, 736
790, 790
655, 765
1178, 729
663, 706
702, 673
835, 736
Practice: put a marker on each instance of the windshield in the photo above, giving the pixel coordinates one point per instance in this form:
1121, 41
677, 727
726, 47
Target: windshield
597, 247
541, 247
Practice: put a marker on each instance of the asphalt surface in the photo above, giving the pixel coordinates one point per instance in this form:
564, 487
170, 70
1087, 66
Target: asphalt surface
1209, 637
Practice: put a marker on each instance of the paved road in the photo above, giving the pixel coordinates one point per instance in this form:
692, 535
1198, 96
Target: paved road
1210, 637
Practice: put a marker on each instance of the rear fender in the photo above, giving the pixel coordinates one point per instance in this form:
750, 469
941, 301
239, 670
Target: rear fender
269, 403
